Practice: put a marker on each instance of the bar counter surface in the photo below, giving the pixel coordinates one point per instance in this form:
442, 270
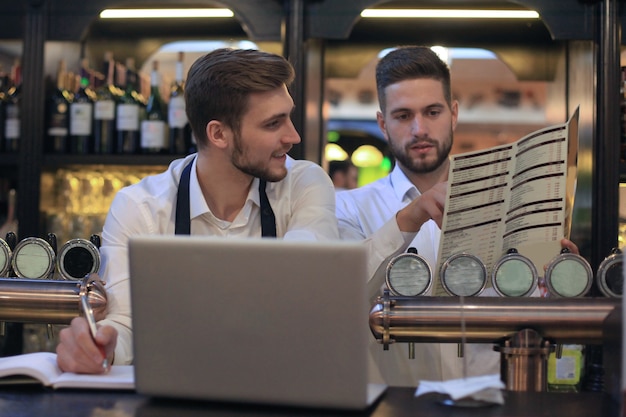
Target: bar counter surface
34, 401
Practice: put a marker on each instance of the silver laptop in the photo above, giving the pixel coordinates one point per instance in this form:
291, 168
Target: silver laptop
251, 320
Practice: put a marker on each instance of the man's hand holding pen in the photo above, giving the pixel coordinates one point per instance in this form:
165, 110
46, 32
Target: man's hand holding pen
80, 352
93, 327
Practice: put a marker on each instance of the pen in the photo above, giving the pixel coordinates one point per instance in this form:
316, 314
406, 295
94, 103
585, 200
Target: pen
91, 320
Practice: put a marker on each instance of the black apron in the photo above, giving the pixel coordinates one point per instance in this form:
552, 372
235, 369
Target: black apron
183, 216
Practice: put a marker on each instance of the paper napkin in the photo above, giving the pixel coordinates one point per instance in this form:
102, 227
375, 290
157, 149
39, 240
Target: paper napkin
485, 388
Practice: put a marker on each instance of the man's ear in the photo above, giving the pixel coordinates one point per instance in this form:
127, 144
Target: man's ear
455, 113
217, 134
380, 120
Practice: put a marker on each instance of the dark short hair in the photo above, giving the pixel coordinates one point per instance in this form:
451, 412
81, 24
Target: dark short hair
339, 166
411, 62
219, 84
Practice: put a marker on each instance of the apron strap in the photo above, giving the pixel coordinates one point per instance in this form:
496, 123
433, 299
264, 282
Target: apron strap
183, 216
268, 220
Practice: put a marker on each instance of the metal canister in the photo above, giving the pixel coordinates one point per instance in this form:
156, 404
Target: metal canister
49, 301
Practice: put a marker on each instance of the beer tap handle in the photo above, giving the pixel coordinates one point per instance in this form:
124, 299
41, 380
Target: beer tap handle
52, 240
11, 239
558, 351
95, 239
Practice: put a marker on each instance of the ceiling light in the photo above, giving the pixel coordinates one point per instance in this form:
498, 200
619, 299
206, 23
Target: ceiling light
163, 13
206, 46
334, 152
366, 156
449, 14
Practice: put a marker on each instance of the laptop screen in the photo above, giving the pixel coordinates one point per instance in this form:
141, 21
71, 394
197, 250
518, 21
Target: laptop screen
250, 320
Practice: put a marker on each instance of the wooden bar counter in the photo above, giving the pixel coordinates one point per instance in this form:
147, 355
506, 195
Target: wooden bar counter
34, 401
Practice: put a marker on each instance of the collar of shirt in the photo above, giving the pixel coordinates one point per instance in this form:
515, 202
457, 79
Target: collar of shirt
404, 189
199, 207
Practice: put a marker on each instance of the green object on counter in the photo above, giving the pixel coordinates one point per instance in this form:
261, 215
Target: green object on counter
565, 373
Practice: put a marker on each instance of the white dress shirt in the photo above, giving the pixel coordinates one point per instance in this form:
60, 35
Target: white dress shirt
303, 204
369, 213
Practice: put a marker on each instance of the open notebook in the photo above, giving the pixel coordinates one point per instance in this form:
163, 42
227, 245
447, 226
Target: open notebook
251, 320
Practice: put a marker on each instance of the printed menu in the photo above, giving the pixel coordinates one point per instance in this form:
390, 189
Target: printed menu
518, 195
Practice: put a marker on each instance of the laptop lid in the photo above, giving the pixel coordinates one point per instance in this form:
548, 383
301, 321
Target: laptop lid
251, 320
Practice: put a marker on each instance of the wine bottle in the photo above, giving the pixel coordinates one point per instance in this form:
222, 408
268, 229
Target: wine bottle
104, 110
12, 121
180, 132
58, 113
4, 86
622, 97
127, 115
153, 128
81, 115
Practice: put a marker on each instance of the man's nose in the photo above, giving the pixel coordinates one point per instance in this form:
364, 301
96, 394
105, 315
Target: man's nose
291, 136
419, 127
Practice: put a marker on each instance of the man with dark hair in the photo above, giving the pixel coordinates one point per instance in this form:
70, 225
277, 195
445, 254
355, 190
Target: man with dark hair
239, 109
417, 116
344, 174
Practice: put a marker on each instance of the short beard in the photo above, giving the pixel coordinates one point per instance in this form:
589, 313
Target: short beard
418, 166
240, 161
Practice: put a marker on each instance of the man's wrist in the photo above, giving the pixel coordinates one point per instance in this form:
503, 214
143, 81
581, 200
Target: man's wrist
406, 222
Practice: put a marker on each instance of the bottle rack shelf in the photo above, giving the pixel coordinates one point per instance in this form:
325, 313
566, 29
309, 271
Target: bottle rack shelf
132, 160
